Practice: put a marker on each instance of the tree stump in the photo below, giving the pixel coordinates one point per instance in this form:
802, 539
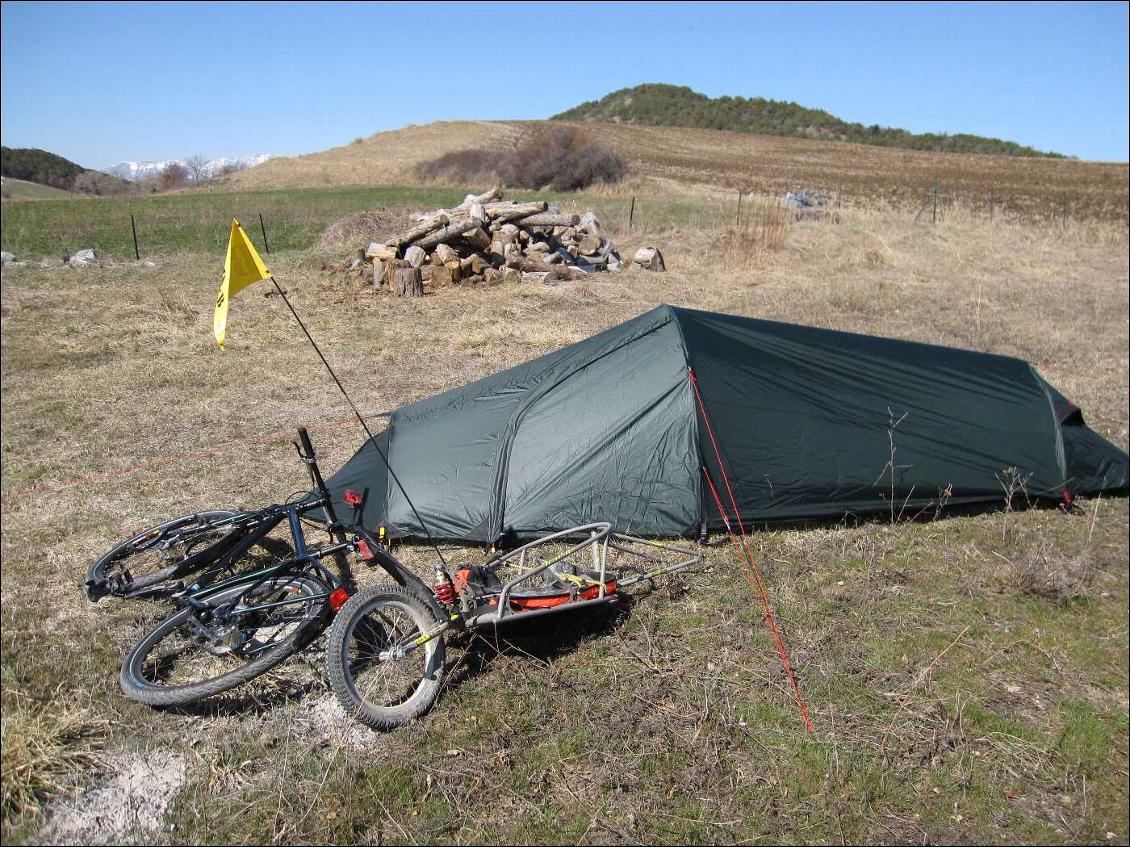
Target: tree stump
407, 282
649, 258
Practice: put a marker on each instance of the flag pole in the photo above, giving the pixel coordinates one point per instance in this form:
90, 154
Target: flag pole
360, 418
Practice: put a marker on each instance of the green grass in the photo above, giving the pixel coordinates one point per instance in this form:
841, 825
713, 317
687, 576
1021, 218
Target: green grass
193, 222
20, 189
198, 222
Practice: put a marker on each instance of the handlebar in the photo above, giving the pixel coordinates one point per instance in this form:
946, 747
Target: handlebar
306, 451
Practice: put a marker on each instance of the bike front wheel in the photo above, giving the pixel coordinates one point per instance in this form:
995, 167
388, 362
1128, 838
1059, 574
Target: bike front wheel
161, 553
377, 674
225, 640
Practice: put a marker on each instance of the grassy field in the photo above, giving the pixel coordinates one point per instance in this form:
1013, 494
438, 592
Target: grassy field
968, 676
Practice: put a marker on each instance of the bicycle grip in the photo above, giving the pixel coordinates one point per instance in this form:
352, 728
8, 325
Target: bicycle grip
304, 440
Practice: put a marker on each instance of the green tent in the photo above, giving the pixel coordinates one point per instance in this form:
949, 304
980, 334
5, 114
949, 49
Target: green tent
611, 429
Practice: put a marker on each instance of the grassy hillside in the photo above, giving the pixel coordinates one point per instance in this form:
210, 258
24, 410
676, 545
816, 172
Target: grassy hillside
672, 105
666, 160
20, 189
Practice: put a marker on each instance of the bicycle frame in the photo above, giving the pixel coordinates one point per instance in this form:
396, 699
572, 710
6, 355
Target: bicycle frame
304, 557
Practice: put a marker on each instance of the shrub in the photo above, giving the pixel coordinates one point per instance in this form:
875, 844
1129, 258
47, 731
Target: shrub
559, 159
175, 175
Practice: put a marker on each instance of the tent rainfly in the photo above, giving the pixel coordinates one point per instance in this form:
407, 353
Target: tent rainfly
610, 429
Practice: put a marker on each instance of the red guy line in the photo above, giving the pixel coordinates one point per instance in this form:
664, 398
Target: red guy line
753, 572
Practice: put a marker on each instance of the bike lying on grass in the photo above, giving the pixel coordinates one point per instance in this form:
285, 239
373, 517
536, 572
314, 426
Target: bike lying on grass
245, 601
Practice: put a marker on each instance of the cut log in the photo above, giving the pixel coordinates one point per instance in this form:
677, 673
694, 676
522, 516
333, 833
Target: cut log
407, 282
477, 237
445, 253
511, 276
512, 255
509, 230
418, 232
649, 258
478, 213
455, 268
537, 247
415, 256
492, 276
589, 245
551, 219
591, 225
441, 276
471, 199
515, 211
447, 233
379, 252
475, 264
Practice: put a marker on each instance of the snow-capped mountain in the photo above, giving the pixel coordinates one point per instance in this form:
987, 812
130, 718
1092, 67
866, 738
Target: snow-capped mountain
140, 170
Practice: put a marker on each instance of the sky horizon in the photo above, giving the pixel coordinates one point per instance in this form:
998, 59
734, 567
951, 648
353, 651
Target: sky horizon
101, 83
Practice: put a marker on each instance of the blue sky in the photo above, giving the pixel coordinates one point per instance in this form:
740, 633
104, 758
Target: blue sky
103, 82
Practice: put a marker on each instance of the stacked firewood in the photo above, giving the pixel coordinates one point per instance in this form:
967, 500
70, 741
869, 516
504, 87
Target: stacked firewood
486, 240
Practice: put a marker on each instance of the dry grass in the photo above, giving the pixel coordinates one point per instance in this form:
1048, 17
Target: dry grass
1009, 188
369, 225
951, 703
46, 746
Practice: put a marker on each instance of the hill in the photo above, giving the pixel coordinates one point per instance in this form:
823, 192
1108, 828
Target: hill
663, 159
20, 189
35, 165
672, 105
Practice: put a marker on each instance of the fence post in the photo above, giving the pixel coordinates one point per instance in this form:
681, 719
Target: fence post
263, 227
632, 212
992, 203
935, 218
133, 226
739, 221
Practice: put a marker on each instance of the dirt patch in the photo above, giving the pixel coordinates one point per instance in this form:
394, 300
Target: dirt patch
127, 804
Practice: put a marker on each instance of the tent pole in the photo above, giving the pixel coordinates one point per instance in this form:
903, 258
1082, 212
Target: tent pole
360, 420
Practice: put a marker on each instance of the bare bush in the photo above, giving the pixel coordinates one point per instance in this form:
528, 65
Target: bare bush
100, 184
1041, 572
174, 175
558, 159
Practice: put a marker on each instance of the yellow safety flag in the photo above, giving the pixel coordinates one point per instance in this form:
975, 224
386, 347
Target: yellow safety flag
242, 267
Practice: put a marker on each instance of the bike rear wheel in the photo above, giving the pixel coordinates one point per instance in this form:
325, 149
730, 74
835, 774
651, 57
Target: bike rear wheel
227, 639
374, 684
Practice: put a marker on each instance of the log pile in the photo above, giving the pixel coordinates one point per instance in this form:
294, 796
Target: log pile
487, 240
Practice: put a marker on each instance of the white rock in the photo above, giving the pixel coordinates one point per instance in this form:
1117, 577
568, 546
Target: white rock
82, 257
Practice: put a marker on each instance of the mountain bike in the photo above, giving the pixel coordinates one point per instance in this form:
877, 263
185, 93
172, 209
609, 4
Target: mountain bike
251, 601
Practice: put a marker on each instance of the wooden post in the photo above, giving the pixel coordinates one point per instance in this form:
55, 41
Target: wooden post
632, 212
991, 204
1065, 211
739, 220
935, 219
263, 229
133, 226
